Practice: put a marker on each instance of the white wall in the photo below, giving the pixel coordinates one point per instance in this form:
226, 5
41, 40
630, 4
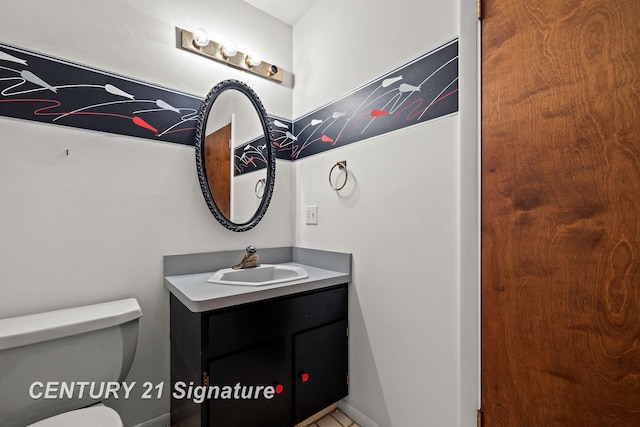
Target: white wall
93, 226
245, 201
400, 216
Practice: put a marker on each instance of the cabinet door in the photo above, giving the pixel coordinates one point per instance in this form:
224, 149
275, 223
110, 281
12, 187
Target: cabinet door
246, 374
320, 368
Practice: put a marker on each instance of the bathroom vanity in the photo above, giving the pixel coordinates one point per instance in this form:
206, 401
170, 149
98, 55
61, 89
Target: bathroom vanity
270, 355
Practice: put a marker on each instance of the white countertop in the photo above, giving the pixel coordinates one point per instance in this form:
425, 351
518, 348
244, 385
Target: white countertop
198, 295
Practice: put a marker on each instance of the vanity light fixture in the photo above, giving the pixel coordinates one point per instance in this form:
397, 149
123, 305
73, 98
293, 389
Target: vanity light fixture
229, 49
200, 37
253, 59
198, 42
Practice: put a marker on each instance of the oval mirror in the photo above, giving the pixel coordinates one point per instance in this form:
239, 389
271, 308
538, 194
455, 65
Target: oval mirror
235, 156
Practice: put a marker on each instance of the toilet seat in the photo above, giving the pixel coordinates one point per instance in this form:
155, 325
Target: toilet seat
94, 416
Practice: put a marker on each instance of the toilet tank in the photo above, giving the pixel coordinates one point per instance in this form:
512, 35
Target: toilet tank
94, 344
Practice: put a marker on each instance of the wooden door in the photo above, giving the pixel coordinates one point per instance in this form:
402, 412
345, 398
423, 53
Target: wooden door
561, 213
217, 165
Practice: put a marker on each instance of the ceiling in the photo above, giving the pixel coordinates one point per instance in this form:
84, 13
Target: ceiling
285, 10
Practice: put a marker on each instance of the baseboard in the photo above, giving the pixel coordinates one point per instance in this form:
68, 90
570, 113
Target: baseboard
163, 420
355, 415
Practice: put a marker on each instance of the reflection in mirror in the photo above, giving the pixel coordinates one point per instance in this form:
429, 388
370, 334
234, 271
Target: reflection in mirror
236, 164
233, 126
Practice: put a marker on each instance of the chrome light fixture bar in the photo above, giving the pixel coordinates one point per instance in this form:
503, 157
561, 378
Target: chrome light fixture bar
224, 52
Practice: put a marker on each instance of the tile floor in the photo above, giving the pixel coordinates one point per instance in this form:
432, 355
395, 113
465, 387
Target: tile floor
334, 419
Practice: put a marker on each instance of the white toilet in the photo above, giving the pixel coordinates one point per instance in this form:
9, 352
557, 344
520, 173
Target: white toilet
93, 344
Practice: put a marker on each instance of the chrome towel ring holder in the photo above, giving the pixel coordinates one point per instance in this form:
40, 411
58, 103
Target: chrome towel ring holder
259, 188
342, 166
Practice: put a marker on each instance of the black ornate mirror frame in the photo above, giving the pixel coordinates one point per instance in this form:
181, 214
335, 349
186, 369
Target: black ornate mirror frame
201, 126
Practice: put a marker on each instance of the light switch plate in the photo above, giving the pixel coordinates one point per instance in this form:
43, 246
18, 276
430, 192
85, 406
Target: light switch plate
311, 215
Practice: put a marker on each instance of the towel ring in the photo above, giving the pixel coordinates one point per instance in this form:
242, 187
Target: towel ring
343, 167
259, 189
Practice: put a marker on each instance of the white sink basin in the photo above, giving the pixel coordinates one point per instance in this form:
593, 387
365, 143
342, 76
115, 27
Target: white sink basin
266, 274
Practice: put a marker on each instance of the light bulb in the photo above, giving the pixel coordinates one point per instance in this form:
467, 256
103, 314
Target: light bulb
254, 59
229, 49
200, 37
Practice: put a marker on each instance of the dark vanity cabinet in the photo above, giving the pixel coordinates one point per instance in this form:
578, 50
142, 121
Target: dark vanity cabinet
271, 363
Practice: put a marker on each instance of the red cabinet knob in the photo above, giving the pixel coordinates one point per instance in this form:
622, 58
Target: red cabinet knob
304, 377
279, 387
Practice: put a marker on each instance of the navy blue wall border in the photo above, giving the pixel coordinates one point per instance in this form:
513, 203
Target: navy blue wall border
45, 89
424, 89
41, 88
251, 156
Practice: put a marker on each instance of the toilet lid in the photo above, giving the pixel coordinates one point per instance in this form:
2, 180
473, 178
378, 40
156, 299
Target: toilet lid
94, 416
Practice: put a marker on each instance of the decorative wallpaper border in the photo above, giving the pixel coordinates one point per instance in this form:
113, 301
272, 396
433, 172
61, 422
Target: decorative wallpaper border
422, 90
251, 156
45, 89
41, 88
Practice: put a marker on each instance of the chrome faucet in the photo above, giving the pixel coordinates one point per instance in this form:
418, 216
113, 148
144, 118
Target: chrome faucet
250, 259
